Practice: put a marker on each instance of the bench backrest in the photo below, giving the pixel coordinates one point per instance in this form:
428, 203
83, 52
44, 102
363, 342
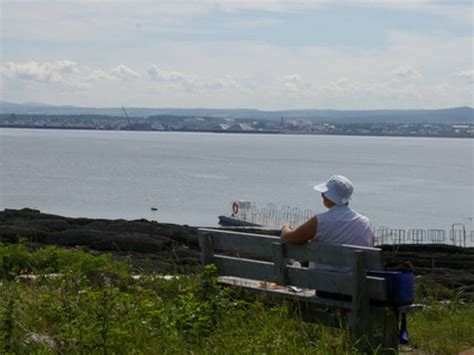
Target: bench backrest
263, 257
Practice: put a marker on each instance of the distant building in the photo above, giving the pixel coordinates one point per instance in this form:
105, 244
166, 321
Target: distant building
240, 127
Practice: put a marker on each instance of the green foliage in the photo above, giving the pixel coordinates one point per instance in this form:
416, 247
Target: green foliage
200, 307
10, 337
451, 323
426, 290
93, 305
14, 259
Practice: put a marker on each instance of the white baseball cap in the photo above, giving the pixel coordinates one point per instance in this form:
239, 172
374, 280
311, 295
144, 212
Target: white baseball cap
338, 189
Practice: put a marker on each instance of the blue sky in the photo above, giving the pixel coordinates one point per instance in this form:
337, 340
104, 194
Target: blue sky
270, 54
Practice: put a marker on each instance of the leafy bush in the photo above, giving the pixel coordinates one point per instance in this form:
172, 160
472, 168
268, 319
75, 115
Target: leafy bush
452, 323
96, 306
200, 307
14, 259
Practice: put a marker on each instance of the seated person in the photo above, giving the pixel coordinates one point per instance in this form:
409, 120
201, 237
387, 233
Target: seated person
339, 225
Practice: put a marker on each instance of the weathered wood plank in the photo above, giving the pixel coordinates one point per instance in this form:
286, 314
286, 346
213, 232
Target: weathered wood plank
336, 282
242, 243
360, 299
383, 330
335, 255
391, 330
256, 245
207, 252
280, 261
246, 268
283, 292
256, 285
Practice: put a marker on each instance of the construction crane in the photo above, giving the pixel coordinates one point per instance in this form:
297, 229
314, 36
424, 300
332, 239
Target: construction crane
126, 115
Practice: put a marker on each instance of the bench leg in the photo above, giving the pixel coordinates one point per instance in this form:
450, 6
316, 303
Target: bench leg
384, 330
391, 330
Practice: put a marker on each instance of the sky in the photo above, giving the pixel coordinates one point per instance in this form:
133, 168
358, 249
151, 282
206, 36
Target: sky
270, 55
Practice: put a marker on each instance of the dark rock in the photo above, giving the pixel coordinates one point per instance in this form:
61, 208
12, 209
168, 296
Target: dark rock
28, 213
132, 242
187, 236
47, 225
182, 253
80, 236
12, 233
171, 248
122, 226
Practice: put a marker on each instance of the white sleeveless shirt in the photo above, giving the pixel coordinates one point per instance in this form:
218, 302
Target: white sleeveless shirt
343, 225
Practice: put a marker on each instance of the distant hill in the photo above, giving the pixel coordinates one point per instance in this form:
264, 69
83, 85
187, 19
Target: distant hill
440, 116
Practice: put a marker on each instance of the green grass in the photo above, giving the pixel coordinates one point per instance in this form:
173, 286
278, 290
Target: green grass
95, 306
443, 329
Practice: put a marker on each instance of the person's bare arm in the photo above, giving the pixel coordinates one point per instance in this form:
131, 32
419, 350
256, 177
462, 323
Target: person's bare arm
301, 234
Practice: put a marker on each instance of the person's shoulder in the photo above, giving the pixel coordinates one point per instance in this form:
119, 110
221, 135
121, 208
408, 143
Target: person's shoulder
362, 216
323, 214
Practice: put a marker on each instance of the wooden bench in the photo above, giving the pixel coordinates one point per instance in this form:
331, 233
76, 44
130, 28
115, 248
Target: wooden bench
260, 263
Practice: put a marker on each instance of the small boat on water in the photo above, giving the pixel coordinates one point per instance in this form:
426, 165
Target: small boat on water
240, 217
227, 221
246, 214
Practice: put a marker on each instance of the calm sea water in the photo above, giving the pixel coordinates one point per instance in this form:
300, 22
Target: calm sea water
192, 177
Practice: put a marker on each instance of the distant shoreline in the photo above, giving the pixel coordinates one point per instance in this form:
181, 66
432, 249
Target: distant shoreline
236, 132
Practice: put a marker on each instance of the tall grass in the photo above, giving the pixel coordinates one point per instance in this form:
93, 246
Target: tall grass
443, 329
96, 306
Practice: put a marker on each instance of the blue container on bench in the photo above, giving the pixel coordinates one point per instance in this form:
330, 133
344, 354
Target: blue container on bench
400, 285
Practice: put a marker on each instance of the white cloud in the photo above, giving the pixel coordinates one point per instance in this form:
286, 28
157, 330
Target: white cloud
192, 82
346, 87
54, 72
294, 85
260, 75
292, 79
120, 72
99, 74
406, 72
62, 74
467, 75
158, 74
224, 83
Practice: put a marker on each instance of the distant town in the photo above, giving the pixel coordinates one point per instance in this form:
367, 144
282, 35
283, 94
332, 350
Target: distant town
235, 125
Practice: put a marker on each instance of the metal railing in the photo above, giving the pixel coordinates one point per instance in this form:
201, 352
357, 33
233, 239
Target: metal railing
273, 217
457, 236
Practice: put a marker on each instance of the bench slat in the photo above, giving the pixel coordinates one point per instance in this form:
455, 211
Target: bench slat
328, 281
246, 268
242, 243
335, 255
283, 292
336, 282
256, 245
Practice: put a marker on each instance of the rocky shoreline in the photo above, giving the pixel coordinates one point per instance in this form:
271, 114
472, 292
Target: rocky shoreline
163, 247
